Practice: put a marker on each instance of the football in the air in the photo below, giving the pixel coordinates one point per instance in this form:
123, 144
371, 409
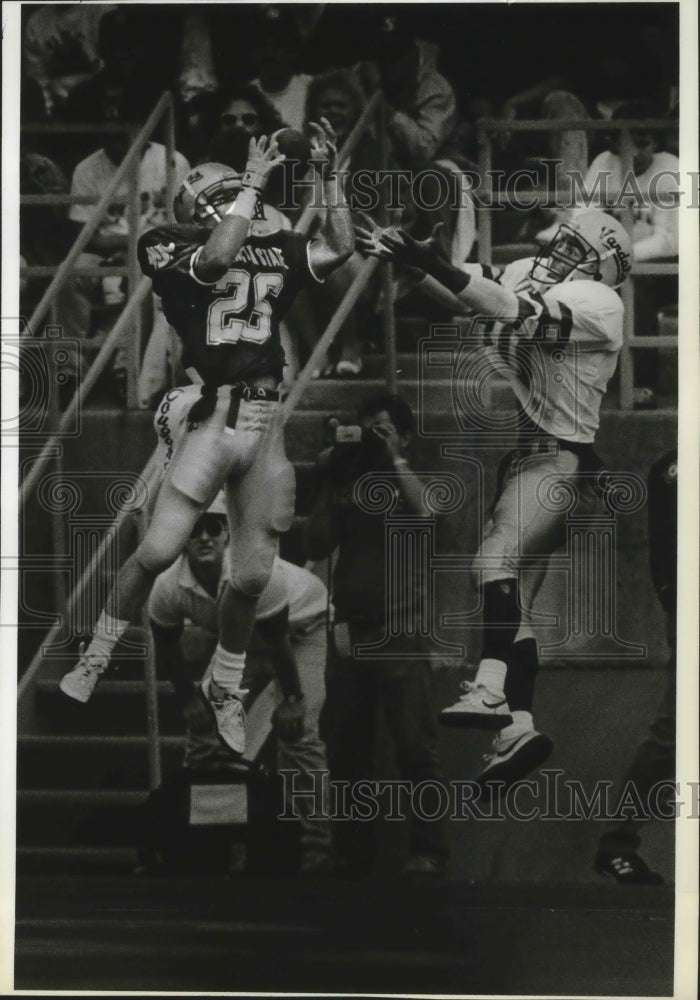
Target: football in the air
294, 145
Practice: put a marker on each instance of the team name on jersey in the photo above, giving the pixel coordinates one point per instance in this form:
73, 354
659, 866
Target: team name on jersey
266, 256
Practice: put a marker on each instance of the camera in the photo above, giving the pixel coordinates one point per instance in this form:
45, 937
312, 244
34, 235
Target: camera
350, 451
339, 435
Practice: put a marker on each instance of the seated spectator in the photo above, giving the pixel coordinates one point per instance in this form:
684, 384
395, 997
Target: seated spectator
276, 54
61, 48
373, 608
422, 118
654, 230
422, 106
109, 243
336, 95
242, 114
291, 618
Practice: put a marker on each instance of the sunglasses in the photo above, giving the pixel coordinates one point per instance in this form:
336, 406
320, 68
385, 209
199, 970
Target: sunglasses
211, 523
247, 118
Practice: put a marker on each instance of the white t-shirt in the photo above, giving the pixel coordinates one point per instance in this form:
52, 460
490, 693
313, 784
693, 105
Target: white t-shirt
177, 596
655, 230
561, 353
290, 102
94, 173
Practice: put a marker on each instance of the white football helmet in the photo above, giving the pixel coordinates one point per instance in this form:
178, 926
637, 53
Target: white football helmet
205, 190
592, 246
210, 189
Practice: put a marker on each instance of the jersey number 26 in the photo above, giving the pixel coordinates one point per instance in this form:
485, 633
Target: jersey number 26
224, 322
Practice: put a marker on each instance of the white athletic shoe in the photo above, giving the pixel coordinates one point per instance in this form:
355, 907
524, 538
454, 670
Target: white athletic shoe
479, 707
229, 714
512, 757
80, 682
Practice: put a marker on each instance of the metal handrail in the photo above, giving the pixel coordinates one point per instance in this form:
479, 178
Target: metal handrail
138, 290
86, 386
148, 473
575, 124
327, 338
90, 227
360, 280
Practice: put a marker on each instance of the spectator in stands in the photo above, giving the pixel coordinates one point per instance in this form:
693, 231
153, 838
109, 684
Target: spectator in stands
44, 235
655, 229
337, 96
61, 48
421, 123
422, 106
654, 192
110, 241
291, 620
123, 88
243, 113
399, 678
276, 54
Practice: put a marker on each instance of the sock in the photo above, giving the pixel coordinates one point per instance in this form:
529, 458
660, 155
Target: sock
492, 674
108, 631
522, 723
501, 619
227, 669
522, 670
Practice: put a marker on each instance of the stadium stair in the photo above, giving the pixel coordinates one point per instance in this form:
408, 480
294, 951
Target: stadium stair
82, 769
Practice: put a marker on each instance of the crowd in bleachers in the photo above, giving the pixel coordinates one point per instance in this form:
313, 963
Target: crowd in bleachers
242, 70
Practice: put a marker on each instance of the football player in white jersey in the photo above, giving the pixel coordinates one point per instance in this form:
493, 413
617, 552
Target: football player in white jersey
552, 325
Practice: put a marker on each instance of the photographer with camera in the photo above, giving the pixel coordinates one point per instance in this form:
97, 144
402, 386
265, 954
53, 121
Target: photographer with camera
366, 597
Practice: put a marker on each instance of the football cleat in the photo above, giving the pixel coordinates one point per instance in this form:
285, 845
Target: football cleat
511, 758
626, 869
229, 714
80, 682
479, 707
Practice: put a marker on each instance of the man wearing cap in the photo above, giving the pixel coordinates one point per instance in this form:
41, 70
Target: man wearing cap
290, 618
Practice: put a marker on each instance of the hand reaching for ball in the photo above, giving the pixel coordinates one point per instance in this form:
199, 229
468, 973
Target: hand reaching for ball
262, 159
324, 151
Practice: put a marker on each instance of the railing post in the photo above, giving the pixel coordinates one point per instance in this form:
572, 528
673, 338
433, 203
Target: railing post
150, 685
170, 160
484, 214
131, 342
388, 311
58, 540
627, 354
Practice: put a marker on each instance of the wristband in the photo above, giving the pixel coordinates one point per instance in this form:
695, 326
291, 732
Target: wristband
244, 205
450, 277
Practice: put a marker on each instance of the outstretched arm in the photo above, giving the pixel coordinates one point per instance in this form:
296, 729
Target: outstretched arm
441, 280
337, 239
229, 235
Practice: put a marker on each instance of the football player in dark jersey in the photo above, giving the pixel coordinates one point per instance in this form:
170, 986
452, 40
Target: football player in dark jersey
226, 276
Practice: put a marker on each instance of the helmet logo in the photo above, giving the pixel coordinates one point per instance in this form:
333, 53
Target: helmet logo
622, 259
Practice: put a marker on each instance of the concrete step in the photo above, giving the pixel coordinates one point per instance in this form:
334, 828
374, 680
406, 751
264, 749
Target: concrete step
52, 860
90, 761
116, 708
69, 818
